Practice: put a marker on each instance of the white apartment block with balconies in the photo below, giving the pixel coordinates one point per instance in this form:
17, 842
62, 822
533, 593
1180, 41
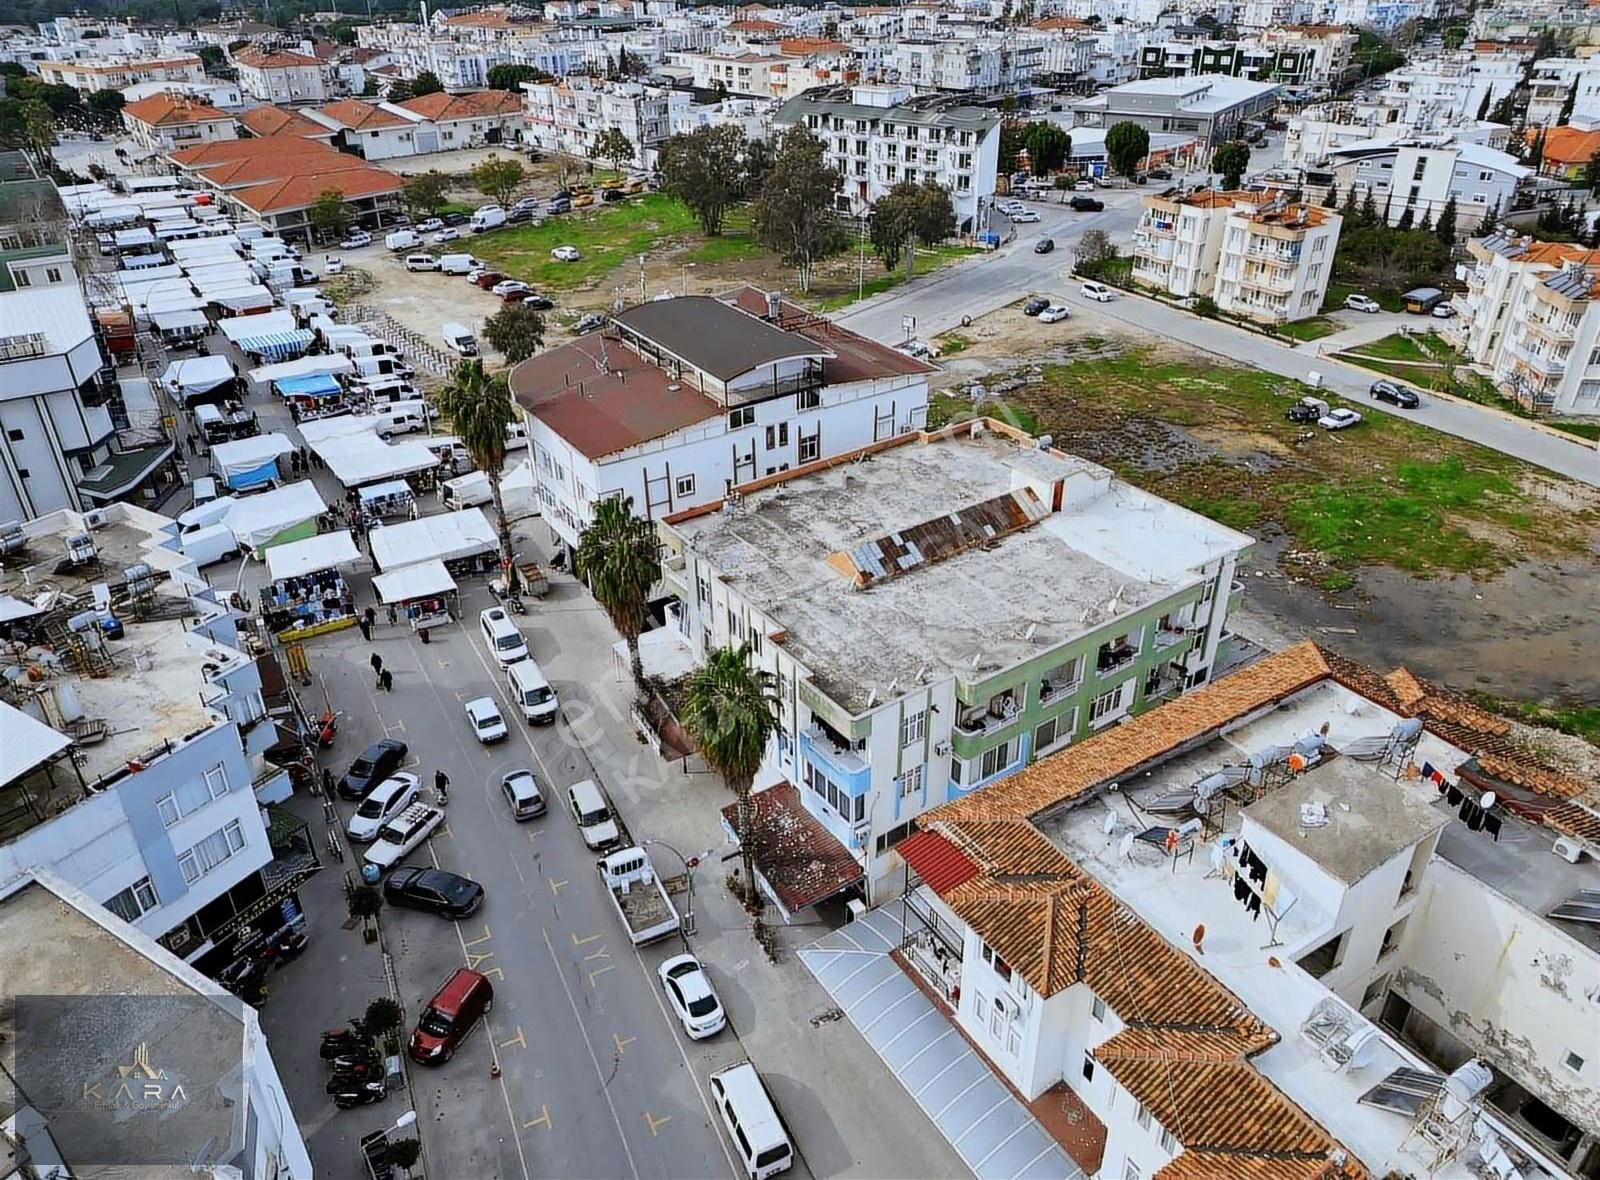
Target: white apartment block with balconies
90, 74
1552, 85
283, 77
1528, 318
567, 116
1422, 173
1457, 82
880, 135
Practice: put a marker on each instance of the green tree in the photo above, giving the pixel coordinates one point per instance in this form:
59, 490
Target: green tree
890, 224
37, 133
1369, 209
704, 170
1445, 228
516, 331
1407, 215
480, 408
329, 215
1127, 144
343, 31
1505, 111
1454, 36
1533, 153
498, 178
1348, 210
1231, 159
382, 1016
511, 77
793, 216
404, 1153
728, 709
1330, 199
936, 215
400, 90
424, 194
1093, 251
1483, 107
1013, 138
426, 82
613, 145
364, 903
619, 559
1048, 147
106, 102
758, 158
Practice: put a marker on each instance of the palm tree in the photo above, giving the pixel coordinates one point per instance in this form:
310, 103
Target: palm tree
480, 408
729, 711
620, 559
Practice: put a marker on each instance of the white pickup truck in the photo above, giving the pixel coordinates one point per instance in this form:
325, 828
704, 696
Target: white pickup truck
640, 898
402, 835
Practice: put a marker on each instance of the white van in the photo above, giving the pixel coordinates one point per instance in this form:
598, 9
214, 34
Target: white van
384, 389
465, 491
203, 516
457, 264
459, 340
206, 545
205, 490
450, 450
487, 218
1098, 292
502, 636
400, 420
593, 816
421, 262
752, 1121
535, 697
516, 435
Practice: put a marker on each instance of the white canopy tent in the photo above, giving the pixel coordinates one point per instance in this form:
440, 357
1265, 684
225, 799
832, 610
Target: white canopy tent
358, 459
448, 537
197, 374
311, 556
324, 430
246, 462
245, 326
414, 581
254, 520
306, 366
178, 320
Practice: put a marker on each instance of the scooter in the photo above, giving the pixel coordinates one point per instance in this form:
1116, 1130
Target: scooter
345, 1079
336, 1042
514, 604
327, 729
358, 1057
289, 947
362, 1095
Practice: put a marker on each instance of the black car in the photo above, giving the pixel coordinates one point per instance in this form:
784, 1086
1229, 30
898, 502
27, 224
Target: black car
1087, 204
433, 891
517, 216
1035, 305
1395, 394
1160, 174
454, 219
377, 762
1044, 245
538, 302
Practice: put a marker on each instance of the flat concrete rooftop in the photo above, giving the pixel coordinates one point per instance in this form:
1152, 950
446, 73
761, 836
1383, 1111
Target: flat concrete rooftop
1111, 550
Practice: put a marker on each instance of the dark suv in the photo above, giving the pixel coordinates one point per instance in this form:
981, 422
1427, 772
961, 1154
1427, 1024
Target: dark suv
1087, 204
377, 762
1395, 394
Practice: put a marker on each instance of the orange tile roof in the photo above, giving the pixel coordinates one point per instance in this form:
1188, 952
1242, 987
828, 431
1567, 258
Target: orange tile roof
361, 116
756, 26
1568, 145
300, 192
267, 121
167, 110
442, 107
262, 59
306, 156
1062, 22
803, 45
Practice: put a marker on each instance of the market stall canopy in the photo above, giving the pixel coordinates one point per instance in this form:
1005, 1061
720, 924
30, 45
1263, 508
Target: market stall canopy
423, 580
257, 519
518, 479
313, 555
128, 239
176, 321
323, 430
306, 366
443, 538
277, 345
377, 491
246, 462
318, 385
257, 325
358, 459
242, 300
198, 374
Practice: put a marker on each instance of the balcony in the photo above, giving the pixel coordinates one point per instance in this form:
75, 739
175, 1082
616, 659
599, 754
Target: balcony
1272, 255
1267, 282
1169, 637
825, 746
23, 345
1537, 363
983, 720
1113, 657
1554, 332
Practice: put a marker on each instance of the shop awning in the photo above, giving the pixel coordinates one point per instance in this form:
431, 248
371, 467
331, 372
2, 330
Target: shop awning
312, 555
377, 491
422, 580
447, 537
267, 323
277, 345
319, 385
177, 321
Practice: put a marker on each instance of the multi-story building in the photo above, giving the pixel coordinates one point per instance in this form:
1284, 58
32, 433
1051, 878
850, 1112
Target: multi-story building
568, 115
91, 74
1310, 55
282, 77
213, 91
1260, 15
117, 1000
163, 822
1528, 318
878, 136
1318, 131
963, 64
370, 130
1458, 83
1211, 107
1378, 838
1422, 173
1555, 81
1384, 16
1275, 259
942, 613
1567, 151
164, 122
683, 398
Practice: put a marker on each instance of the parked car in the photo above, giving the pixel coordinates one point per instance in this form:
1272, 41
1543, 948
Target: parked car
487, 723
505, 286
433, 891
431, 225
532, 298
1141, 178
1340, 419
447, 234
387, 800
1395, 394
1362, 303
1026, 217
1097, 292
919, 349
1035, 305
1306, 410
421, 262
1086, 204
518, 216
403, 835
522, 793
611, 194
529, 203
356, 240
692, 997
1054, 314
1084, 186
1160, 174
334, 266
376, 763
456, 1009
592, 322
1445, 311
559, 205
486, 278
455, 219
1044, 245
566, 254
1010, 206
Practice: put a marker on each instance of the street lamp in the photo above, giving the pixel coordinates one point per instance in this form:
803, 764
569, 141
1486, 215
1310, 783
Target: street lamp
401, 1123
689, 865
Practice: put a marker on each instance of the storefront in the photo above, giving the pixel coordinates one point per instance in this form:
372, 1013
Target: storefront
308, 596
425, 594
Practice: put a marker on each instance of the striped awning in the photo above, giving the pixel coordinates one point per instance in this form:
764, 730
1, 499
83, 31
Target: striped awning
278, 345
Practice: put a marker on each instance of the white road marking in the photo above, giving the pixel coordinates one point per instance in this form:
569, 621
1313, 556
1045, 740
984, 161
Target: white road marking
931, 1011
949, 1032
1021, 1127
963, 1093
856, 1003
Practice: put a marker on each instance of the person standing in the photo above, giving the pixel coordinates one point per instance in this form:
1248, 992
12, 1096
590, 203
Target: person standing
371, 616
386, 680
377, 663
394, 616
366, 631
441, 785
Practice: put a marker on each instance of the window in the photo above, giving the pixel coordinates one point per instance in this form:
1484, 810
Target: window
742, 417
1169, 1141
734, 630
211, 852
1088, 1068
1097, 1009
1374, 991
14, 435
811, 448
52, 274
1130, 1171
910, 783
1142, 1116
1045, 735
684, 485
217, 781
135, 901
703, 589
23, 278
994, 760
893, 836
980, 1009
1001, 967
912, 727
807, 399
1572, 1061
1105, 705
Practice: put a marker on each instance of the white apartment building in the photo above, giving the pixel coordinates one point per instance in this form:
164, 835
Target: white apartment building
281, 77
1423, 172
962, 64
1275, 14
164, 123
1318, 131
1551, 85
899, 602
1529, 320
682, 398
568, 115
1319, 816
91, 74
1455, 84
213, 91
1385, 16
879, 135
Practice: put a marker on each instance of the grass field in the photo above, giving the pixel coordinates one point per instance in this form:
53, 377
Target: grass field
1572, 717
1314, 328
878, 280
1334, 299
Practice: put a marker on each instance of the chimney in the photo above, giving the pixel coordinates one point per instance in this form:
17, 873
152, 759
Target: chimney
774, 302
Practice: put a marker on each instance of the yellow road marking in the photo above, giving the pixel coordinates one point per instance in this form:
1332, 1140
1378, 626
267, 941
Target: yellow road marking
482, 938
622, 1042
520, 1041
657, 1123
493, 973
444, 830
599, 971
555, 886
542, 1121
576, 941
476, 957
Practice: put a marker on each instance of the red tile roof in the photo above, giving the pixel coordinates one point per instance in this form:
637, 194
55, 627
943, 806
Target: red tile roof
442, 107
1568, 145
361, 116
794, 853
267, 121
166, 110
302, 191
937, 861
263, 59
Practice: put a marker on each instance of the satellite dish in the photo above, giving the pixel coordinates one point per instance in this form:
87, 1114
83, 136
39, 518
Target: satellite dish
1364, 1049
1488, 800
1110, 825
1125, 847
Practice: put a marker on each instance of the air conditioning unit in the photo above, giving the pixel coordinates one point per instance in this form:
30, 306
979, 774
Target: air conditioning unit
96, 518
1567, 849
941, 749
178, 938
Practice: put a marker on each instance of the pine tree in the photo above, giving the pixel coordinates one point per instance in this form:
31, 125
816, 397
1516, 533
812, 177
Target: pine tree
1491, 219
1445, 228
1406, 219
1566, 107
1427, 222
1349, 210
1483, 107
1369, 210
1331, 201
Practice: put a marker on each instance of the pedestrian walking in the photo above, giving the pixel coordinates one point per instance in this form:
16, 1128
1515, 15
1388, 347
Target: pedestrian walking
366, 631
394, 616
376, 661
386, 680
327, 782
441, 785
372, 616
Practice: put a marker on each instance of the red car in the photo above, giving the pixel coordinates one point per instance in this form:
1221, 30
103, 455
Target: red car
455, 1010
488, 279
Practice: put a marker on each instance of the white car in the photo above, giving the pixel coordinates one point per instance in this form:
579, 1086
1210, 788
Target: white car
566, 254
1340, 419
486, 720
356, 240
1054, 314
447, 234
334, 266
1009, 206
1098, 292
421, 262
1445, 311
388, 799
432, 225
401, 835
919, 349
1364, 303
1083, 186
507, 286
691, 996
1026, 217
